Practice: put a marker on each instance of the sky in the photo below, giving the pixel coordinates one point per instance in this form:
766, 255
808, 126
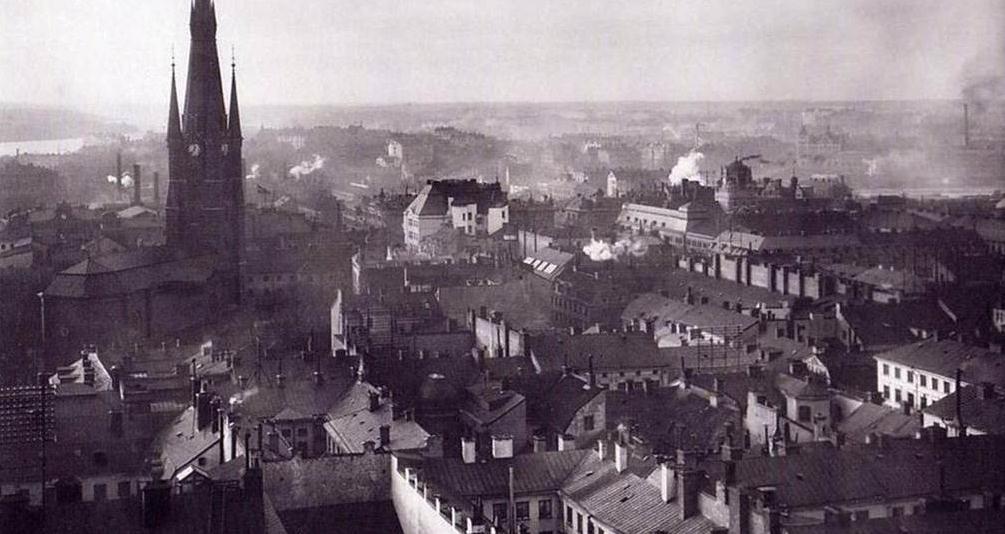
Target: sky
97, 54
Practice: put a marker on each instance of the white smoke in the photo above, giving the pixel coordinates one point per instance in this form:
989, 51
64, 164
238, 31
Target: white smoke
687, 168
600, 250
127, 181
254, 172
307, 167
896, 163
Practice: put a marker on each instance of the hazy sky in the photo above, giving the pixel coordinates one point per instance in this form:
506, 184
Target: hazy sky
91, 54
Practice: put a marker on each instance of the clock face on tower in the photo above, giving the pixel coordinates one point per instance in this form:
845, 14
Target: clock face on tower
194, 149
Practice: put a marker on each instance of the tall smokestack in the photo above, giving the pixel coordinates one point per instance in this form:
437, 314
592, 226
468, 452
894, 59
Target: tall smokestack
118, 170
966, 125
157, 189
137, 185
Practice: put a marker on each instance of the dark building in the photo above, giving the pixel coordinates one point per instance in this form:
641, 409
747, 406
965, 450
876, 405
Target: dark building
158, 291
205, 204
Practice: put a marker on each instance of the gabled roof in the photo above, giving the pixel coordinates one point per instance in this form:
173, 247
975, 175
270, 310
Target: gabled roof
982, 412
543, 472
872, 418
946, 356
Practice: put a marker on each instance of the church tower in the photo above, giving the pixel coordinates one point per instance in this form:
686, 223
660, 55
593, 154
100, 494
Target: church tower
205, 203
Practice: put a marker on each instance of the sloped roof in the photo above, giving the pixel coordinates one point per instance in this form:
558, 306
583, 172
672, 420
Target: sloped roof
130, 271
944, 357
872, 418
533, 473
986, 414
626, 502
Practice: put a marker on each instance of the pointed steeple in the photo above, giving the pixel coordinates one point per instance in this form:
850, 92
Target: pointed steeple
174, 117
203, 18
234, 128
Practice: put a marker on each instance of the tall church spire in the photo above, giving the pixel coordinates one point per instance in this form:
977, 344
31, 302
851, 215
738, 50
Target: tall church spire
234, 128
174, 118
205, 116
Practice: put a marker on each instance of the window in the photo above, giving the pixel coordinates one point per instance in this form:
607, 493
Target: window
935, 383
125, 489
587, 423
522, 510
499, 511
862, 515
544, 509
896, 511
910, 377
910, 399
301, 432
923, 380
805, 413
924, 402
945, 386
896, 372
579, 522
896, 395
568, 515
886, 392
100, 492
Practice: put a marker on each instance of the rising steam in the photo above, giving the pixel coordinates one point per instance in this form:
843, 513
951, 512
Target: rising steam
254, 172
127, 181
600, 250
687, 168
307, 167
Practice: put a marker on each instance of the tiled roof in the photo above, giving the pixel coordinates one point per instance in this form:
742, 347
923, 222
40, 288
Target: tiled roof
872, 418
977, 521
668, 419
130, 271
352, 420
984, 413
882, 324
329, 480
180, 443
827, 475
946, 356
626, 502
567, 396
609, 350
533, 473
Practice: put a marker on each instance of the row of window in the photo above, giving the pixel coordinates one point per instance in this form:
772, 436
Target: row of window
581, 526
923, 380
500, 510
899, 397
124, 488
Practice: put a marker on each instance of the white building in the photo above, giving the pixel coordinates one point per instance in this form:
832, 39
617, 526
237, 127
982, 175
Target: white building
922, 373
476, 209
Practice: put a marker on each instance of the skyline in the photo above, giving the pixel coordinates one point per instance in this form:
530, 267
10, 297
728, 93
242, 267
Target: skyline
386, 52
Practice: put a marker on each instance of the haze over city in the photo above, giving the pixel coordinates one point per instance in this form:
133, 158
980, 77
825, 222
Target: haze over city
502, 267
98, 57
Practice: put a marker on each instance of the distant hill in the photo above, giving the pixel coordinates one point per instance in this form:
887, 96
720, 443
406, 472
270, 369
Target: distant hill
32, 123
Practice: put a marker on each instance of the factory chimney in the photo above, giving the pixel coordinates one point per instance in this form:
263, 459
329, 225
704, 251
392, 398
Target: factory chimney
966, 125
118, 170
137, 184
157, 189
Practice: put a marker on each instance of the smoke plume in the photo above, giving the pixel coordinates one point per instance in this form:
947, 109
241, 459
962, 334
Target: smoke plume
254, 172
127, 181
600, 250
687, 168
307, 167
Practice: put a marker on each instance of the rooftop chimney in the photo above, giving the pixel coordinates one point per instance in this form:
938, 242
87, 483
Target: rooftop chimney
468, 450
137, 184
540, 443
620, 456
502, 446
385, 436
566, 442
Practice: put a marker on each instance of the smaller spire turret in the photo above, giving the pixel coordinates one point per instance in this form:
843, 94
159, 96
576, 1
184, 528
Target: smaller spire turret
234, 128
174, 117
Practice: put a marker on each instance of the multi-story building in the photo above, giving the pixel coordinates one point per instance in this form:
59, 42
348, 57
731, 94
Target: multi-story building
920, 374
474, 208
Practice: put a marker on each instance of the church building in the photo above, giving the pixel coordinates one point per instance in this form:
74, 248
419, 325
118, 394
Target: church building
154, 292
